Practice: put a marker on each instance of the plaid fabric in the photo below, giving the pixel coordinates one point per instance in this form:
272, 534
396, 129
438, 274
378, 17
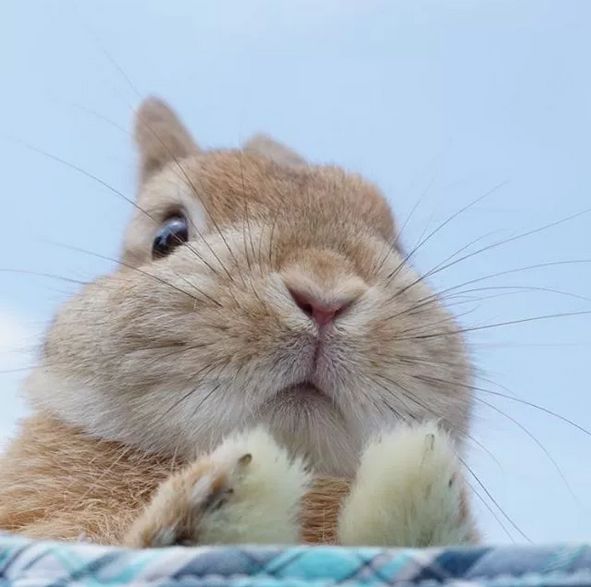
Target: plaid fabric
25, 563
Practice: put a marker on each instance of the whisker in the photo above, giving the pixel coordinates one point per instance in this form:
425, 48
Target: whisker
504, 242
444, 224
484, 449
415, 207
528, 288
499, 324
537, 407
515, 270
206, 398
442, 294
191, 184
155, 277
513, 398
103, 118
48, 275
244, 237
491, 510
493, 500
113, 190
537, 441
395, 243
246, 214
270, 256
436, 380
488, 493
16, 370
85, 173
207, 369
460, 298
135, 90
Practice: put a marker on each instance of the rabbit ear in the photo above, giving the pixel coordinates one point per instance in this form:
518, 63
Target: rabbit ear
268, 147
160, 136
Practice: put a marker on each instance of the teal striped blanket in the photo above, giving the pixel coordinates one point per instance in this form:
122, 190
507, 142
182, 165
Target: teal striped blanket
25, 563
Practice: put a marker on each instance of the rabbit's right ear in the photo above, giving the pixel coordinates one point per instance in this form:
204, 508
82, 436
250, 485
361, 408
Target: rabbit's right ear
270, 148
161, 137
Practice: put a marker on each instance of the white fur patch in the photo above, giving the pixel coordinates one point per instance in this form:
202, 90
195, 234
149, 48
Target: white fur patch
407, 492
264, 505
201, 490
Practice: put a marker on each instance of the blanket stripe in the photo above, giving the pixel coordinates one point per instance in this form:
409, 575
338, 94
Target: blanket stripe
26, 563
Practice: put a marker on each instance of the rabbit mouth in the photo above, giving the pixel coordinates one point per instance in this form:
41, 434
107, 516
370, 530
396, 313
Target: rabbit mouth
301, 393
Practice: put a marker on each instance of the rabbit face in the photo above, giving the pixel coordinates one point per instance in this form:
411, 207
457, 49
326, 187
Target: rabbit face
253, 288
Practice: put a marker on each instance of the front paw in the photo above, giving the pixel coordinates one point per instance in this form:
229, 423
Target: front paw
247, 490
408, 492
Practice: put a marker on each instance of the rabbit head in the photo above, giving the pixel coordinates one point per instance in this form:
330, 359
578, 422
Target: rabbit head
253, 288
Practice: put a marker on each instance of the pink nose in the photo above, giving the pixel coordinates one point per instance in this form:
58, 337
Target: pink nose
322, 313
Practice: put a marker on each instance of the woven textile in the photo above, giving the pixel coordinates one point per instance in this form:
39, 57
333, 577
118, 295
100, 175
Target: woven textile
25, 563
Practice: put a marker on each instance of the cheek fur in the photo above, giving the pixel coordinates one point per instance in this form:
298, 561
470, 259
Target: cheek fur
182, 353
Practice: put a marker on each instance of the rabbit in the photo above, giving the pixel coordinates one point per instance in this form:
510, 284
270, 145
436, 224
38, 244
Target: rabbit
264, 365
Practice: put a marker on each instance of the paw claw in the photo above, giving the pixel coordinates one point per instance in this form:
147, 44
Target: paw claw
430, 442
408, 492
227, 497
245, 460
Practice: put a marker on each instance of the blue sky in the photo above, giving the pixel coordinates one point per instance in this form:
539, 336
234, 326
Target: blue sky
438, 101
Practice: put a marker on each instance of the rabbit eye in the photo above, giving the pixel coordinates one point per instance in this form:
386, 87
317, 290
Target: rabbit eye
173, 232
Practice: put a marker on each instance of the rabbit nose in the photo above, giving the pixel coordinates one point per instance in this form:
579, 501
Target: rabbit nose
322, 312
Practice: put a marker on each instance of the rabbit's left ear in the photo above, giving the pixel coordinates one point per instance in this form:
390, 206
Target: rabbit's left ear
270, 148
161, 137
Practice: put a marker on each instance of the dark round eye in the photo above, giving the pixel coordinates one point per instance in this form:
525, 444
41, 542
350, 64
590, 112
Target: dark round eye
173, 232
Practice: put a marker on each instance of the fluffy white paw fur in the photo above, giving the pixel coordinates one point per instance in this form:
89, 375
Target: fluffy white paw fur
247, 491
267, 496
408, 492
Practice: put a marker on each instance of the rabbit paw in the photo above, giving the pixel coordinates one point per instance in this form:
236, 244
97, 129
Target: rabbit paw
408, 492
247, 490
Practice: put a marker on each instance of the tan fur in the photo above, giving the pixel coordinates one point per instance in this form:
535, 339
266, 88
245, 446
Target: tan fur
59, 483
172, 509
321, 508
266, 146
163, 135
158, 362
